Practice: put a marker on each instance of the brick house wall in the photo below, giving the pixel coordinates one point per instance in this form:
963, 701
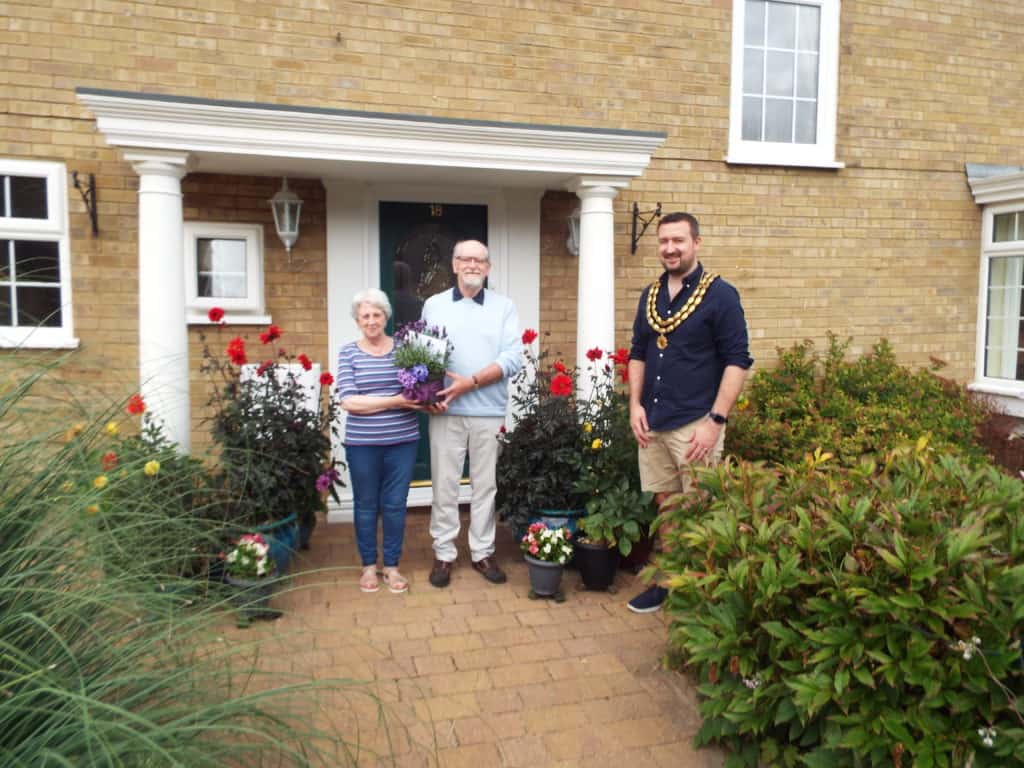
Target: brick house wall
886, 246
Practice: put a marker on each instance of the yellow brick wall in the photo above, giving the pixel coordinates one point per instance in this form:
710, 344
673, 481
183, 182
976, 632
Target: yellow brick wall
887, 246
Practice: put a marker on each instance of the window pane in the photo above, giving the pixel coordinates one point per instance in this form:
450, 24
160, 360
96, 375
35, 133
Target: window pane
5, 305
39, 306
1005, 320
778, 120
807, 75
3, 195
228, 286
809, 24
753, 22
781, 71
753, 70
5, 262
28, 197
781, 25
752, 118
1003, 227
806, 122
220, 255
36, 261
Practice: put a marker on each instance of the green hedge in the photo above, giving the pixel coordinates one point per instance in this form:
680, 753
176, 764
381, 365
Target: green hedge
851, 408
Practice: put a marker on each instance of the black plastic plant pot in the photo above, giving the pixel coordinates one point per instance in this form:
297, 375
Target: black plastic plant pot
597, 565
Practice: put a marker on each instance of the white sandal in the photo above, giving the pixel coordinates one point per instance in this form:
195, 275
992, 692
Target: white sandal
397, 583
368, 581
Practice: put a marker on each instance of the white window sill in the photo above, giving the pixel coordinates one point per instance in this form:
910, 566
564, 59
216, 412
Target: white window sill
1009, 396
229, 319
36, 341
767, 158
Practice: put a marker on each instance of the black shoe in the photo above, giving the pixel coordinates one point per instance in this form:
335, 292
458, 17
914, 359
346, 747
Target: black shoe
648, 601
490, 570
441, 574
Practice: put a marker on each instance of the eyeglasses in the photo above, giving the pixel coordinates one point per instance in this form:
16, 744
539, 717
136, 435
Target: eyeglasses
472, 260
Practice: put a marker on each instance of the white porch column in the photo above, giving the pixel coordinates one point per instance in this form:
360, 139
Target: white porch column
595, 307
163, 332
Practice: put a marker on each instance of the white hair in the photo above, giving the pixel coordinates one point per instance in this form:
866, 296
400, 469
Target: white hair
374, 297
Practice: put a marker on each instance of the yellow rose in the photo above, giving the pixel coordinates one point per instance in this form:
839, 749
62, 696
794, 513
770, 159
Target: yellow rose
596, 445
588, 427
111, 428
93, 509
151, 468
100, 482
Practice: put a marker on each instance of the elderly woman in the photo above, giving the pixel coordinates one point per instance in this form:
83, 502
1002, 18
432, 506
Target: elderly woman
381, 434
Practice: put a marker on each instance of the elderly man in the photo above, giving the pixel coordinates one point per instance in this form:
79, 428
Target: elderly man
687, 365
484, 328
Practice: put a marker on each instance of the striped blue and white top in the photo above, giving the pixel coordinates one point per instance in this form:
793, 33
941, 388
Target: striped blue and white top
360, 373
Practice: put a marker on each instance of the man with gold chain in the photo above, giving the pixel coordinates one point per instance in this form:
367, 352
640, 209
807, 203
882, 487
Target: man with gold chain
687, 365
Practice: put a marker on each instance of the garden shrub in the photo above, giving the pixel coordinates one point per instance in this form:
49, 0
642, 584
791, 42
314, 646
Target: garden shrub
852, 408
853, 616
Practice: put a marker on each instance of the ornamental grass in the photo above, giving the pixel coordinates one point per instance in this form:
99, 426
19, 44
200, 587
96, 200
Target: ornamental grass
112, 651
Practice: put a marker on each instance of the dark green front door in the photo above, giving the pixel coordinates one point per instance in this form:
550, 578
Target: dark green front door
416, 241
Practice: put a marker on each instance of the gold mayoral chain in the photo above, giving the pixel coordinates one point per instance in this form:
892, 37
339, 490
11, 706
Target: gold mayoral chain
670, 323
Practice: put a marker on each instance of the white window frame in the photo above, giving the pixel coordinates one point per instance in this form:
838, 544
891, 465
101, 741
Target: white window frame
1009, 393
54, 228
819, 155
248, 311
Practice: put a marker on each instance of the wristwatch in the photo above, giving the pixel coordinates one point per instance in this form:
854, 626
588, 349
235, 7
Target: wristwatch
717, 418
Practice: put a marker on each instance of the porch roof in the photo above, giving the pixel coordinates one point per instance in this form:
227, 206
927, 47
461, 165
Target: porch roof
224, 136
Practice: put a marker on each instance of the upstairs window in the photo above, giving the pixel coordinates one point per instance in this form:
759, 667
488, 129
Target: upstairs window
784, 82
35, 284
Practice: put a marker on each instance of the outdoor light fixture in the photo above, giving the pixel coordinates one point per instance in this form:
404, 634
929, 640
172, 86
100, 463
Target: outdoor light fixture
573, 241
287, 206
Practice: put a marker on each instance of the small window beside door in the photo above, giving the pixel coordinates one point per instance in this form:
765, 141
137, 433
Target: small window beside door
224, 268
1003, 304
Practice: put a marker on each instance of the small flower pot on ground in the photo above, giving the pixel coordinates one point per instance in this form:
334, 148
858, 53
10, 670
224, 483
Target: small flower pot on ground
597, 564
252, 598
545, 577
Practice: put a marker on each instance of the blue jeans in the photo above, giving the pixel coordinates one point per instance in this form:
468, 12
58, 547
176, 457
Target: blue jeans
380, 477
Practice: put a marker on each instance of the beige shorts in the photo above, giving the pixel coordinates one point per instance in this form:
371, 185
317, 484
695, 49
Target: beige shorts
663, 464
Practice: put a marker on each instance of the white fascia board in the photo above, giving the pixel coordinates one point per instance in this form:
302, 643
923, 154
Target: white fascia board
195, 126
997, 189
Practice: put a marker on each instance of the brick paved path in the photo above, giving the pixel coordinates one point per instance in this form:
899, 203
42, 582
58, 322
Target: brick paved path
479, 675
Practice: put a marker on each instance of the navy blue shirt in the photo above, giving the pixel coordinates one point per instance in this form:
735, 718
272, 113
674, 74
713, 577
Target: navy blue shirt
681, 381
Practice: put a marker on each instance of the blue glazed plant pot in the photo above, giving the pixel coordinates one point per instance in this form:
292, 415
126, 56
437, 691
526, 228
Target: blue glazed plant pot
282, 538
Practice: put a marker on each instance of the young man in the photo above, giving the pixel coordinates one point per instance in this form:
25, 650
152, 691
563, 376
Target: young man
484, 329
687, 365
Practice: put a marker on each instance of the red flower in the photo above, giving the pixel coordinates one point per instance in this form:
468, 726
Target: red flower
529, 336
326, 379
216, 314
236, 351
305, 362
624, 375
559, 366
109, 460
620, 356
263, 367
561, 385
594, 354
136, 405
501, 430
273, 332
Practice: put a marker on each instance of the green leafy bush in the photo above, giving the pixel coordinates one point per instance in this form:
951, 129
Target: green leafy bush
851, 408
853, 616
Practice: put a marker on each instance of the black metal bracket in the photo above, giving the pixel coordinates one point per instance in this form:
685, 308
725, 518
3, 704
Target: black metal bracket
89, 198
645, 218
